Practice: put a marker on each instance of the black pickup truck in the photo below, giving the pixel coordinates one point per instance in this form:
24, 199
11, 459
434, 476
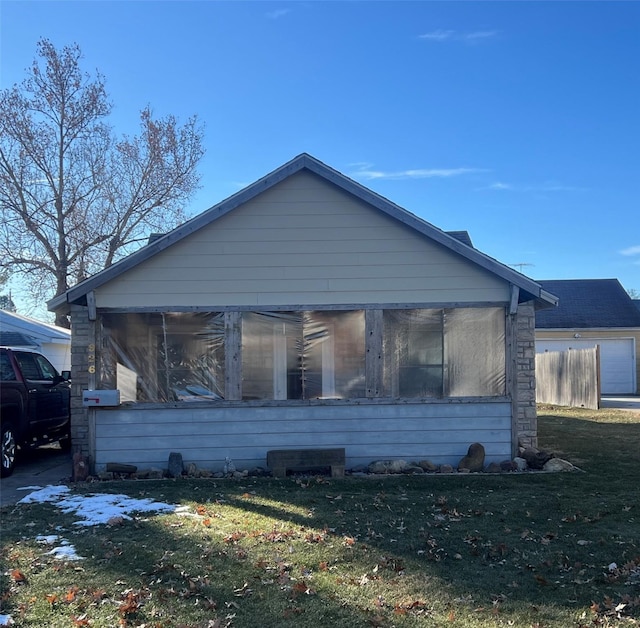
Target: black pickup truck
34, 403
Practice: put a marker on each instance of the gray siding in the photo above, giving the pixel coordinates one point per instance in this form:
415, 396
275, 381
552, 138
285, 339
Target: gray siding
304, 241
205, 435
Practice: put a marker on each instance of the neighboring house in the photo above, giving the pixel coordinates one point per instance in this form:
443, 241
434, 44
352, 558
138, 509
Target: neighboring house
304, 311
52, 341
590, 312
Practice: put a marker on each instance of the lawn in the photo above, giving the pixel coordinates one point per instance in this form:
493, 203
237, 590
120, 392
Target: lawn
522, 549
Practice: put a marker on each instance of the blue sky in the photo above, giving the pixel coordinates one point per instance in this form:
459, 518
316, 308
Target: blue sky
517, 121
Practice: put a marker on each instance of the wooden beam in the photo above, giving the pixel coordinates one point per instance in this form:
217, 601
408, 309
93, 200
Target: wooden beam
373, 356
91, 305
233, 356
515, 297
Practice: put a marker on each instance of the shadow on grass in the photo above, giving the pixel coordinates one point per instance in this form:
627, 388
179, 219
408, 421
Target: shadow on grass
395, 551
361, 552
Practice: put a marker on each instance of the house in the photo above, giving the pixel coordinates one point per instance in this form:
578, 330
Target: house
52, 341
304, 311
590, 312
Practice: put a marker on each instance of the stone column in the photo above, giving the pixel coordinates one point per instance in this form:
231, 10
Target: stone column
526, 415
82, 337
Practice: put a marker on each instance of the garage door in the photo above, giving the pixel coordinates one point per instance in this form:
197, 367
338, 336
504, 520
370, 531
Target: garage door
617, 360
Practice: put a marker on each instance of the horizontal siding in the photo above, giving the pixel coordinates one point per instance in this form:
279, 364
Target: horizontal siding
303, 241
440, 432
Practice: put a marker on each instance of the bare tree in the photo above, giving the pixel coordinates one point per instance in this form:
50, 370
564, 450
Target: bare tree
73, 197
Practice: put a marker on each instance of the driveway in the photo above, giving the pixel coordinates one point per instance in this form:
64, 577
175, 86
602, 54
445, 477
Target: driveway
36, 467
622, 402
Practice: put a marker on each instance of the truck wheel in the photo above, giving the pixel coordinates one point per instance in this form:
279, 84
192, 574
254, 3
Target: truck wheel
9, 449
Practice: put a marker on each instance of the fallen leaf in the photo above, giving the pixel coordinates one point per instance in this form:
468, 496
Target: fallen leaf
18, 576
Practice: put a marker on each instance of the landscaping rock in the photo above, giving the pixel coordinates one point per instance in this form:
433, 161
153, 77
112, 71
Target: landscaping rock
379, 466
192, 470
446, 468
474, 460
520, 463
398, 466
428, 466
176, 465
508, 466
413, 469
80, 467
493, 467
558, 464
535, 458
229, 467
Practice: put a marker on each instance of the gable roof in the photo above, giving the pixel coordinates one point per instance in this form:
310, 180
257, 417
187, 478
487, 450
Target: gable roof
588, 303
18, 330
529, 289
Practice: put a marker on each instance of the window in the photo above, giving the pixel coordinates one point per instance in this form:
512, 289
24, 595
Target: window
426, 353
444, 353
35, 366
413, 353
7, 373
171, 356
303, 355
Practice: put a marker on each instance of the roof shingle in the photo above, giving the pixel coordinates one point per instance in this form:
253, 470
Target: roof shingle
588, 303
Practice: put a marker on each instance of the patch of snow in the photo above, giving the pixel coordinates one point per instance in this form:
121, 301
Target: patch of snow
94, 508
65, 552
47, 540
28, 488
46, 494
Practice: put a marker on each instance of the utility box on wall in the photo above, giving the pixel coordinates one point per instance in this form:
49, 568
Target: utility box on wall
92, 398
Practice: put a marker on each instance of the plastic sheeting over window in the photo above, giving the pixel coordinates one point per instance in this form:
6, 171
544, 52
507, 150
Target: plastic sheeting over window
426, 353
444, 353
164, 356
303, 355
474, 342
